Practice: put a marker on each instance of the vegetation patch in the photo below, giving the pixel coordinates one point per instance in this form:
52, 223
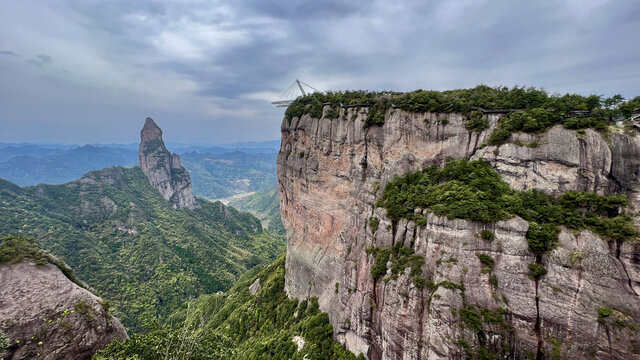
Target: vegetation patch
493, 280
475, 319
5, 342
84, 308
445, 284
576, 256
556, 349
486, 260
313, 104
377, 113
471, 318
537, 271
106, 307
478, 121
531, 109
609, 316
15, 249
603, 313
487, 235
473, 190
401, 257
374, 223
240, 326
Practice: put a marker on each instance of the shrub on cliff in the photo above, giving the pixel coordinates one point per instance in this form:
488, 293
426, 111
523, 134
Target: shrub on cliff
533, 110
472, 190
14, 249
537, 271
4, 341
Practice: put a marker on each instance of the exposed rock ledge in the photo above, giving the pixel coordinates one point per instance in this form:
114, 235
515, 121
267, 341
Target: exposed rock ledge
46, 316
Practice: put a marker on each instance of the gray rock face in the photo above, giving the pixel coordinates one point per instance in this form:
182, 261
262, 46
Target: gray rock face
255, 287
330, 173
46, 316
163, 169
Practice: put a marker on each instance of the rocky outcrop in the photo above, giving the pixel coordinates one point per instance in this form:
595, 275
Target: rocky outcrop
163, 169
46, 316
330, 173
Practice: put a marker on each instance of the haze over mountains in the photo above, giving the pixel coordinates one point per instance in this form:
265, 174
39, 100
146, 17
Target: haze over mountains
216, 171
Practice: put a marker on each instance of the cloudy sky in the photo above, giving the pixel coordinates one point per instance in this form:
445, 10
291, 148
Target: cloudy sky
88, 71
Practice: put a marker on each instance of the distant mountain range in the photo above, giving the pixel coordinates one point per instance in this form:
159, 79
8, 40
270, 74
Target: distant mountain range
31, 165
217, 171
218, 176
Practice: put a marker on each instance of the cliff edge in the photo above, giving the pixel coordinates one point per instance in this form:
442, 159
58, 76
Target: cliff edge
332, 168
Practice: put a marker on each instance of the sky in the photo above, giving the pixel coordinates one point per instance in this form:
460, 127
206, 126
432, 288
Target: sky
88, 71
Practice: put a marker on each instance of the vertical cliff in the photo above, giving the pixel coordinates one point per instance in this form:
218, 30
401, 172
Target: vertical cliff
163, 169
332, 171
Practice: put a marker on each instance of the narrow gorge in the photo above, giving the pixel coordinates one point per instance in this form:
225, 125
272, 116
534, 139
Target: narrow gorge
451, 288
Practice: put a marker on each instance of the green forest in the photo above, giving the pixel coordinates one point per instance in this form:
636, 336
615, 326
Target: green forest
265, 205
126, 242
238, 325
217, 176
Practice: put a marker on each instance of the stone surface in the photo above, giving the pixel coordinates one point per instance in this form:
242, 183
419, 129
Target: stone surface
255, 287
163, 169
42, 313
330, 173
299, 341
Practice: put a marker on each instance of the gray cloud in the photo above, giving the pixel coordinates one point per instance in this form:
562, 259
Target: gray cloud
8, 53
207, 70
40, 60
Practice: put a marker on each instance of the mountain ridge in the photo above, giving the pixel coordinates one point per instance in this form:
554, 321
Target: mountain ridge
134, 246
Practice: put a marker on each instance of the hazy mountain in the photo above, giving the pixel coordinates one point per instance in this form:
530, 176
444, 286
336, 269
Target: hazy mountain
57, 166
217, 172
222, 175
265, 205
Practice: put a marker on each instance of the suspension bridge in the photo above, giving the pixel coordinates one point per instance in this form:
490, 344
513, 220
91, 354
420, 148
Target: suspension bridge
296, 89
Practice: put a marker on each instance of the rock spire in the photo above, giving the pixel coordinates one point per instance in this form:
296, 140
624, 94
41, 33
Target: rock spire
163, 169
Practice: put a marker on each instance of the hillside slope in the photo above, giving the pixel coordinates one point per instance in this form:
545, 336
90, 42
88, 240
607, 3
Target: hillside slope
265, 205
217, 176
63, 165
132, 245
253, 320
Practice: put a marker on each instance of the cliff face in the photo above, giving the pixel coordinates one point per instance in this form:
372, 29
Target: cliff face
330, 173
163, 169
46, 316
